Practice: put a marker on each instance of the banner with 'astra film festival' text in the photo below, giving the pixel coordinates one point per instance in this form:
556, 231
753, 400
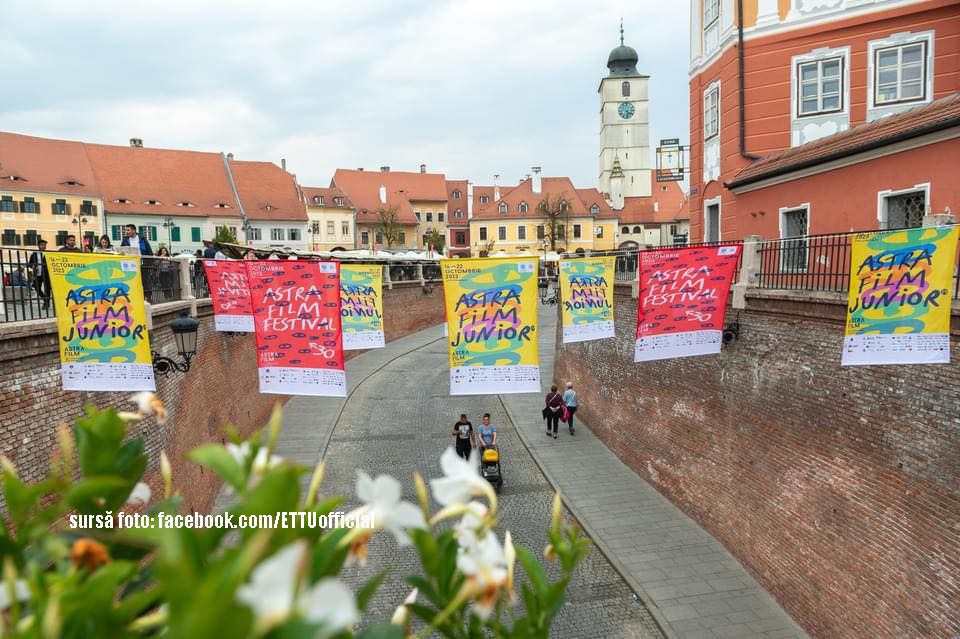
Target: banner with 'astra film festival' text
586, 298
491, 307
361, 306
682, 301
230, 295
101, 322
899, 301
296, 310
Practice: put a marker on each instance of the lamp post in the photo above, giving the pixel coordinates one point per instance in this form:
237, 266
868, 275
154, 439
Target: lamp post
247, 227
314, 229
185, 334
80, 221
168, 224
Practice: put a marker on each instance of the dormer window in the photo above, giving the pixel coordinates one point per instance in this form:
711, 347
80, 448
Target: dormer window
338, 201
185, 204
594, 209
503, 207
456, 195
15, 178
153, 202
71, 183
122, 200
268, 207
221, 205
523, 208
318, 199
484, 199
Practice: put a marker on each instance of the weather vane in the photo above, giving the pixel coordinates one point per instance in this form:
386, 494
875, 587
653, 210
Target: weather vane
621, 31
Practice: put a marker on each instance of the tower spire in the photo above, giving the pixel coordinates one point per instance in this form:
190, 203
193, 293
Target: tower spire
621, 31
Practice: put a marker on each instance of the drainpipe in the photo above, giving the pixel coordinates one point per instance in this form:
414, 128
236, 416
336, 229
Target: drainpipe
742, 88
236, 195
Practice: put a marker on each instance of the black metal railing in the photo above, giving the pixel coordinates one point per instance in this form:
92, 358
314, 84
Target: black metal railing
809, 263
625, 269
161, 279
198, 280
26, 286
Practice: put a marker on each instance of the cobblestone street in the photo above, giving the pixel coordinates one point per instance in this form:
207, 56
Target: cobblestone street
397, 421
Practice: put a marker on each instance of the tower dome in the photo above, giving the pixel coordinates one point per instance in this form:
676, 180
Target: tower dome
623, 59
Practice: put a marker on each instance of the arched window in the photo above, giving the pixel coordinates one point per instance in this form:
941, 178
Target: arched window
625, 89
456, 195
594, 209
625, 230
503, 207
484, 199
458, 213
523, 207
638, 229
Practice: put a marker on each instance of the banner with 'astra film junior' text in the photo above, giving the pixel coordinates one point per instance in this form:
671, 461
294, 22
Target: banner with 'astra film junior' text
101, 322
682, 300
492, 317
296, 310
361, 306
230, 295
899, 301
586, 298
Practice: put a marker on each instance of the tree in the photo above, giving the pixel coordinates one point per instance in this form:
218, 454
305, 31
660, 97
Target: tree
557, 213
486, 248
224, 236
436, 238
388, 225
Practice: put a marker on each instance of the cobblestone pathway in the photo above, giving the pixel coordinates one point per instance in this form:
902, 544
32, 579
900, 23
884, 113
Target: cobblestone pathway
398, 421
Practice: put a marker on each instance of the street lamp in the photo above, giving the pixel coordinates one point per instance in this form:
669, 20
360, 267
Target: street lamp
247, 227
168, 224
185, 334
314, 229
79, 220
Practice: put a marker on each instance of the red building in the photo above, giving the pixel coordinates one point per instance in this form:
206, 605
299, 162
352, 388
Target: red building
824, 116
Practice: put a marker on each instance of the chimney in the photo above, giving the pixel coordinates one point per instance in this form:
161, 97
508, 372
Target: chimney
423, 168
537, 185
136, 143
230, 157
383, 194
283, 163
469, 200
496, 187
384, 169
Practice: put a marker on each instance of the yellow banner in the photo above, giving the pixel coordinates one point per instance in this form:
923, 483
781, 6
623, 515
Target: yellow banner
899, 301
101, 321
361, 305
586, 298
491, 306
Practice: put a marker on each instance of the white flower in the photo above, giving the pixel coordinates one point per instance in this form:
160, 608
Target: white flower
239, 452
270, 594
381, 497
401, 616
262, 462
149, 405
461, 480
487, 568
20, 593
139, 495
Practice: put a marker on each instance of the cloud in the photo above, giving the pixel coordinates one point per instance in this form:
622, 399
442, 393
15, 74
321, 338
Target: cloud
471, 88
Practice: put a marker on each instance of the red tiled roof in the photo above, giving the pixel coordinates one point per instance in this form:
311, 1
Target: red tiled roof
267, 191
553, 187
328, 195
45, 165
937, 115
363, 188
665, 204
163, 175
592, 196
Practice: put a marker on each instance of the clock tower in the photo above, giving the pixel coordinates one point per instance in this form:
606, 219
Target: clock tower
624, 126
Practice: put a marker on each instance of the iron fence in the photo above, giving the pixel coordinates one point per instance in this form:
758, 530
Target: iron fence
198, 280
625, 268
26, 285
161, 279
810, 263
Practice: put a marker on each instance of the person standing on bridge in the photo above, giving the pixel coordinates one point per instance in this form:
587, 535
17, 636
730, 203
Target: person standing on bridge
463, 431
571, 403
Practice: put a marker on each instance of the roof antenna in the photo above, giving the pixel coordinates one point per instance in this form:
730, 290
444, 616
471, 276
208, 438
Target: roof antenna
621, 31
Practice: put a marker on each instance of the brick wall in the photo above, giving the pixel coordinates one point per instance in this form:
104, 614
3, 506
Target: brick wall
219, 389
838, 488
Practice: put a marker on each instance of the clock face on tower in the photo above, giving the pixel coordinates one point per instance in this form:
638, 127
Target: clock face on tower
625, 110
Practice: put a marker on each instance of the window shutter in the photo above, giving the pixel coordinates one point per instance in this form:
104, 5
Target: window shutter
53, 207
66, 208
175, 234
23, 207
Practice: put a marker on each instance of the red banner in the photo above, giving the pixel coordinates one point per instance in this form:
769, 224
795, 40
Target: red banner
230, 293
683, 299
296, 309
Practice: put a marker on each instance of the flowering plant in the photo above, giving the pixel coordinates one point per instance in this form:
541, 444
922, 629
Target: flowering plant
73, 568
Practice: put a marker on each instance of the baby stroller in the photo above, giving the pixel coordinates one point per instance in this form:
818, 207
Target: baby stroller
490, 466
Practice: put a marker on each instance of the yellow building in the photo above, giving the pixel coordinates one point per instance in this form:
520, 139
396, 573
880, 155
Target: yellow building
47, 190
513, 223
331, 218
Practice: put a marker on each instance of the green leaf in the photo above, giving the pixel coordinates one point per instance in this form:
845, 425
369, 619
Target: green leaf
370, 588
426, 589
533, 569
382, 631
221, 462
92, 494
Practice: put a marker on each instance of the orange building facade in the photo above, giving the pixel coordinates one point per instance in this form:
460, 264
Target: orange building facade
789, 133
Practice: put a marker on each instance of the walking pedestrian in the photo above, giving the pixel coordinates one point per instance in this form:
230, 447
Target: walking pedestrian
571, 403
488, 432
463, 431
553, 410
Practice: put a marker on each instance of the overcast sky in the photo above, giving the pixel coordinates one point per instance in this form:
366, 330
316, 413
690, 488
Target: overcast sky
470, 88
